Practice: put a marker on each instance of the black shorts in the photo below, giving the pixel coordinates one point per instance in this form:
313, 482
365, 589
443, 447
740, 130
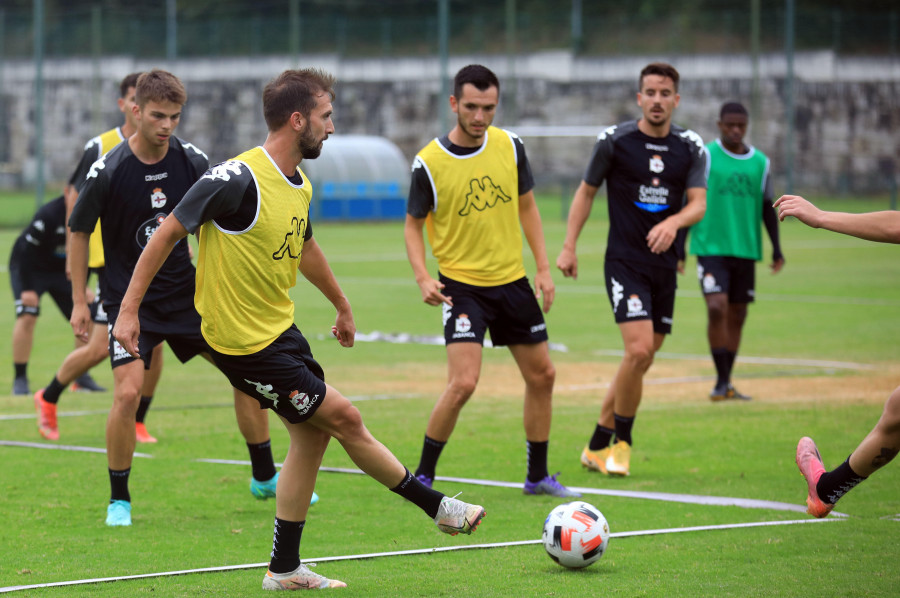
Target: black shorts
54, 283
733, 275
641, 292
283, 377
179, 328
510, 312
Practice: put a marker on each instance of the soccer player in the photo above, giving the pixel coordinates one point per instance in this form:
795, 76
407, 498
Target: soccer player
649, 165
472, 189
881, 445
728, 241
37, 265
251, 216
132, 188
96, 349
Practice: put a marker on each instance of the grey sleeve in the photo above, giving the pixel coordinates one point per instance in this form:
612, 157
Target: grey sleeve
526, 177
699, 160
218, 194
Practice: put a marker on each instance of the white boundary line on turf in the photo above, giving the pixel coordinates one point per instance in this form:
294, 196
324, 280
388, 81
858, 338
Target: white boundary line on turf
63, 447
696, 499
648, 532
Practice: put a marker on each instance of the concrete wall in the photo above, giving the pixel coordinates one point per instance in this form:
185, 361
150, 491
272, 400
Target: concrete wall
847, 123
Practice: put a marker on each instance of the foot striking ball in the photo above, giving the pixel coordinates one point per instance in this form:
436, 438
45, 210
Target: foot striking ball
576, 534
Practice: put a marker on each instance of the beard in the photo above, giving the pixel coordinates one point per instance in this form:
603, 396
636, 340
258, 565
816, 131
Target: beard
309, 146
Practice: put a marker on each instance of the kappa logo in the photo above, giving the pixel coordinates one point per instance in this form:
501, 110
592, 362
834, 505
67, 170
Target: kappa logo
618, 292
302, 402
158, 198
265, 390
39, 225
223, 171
293, 240
656, 164
446, 312
483, 194
96, 167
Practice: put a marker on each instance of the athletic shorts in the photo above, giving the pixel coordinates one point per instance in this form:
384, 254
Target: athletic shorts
510, 312
283, 377
641, 292
733, 275
54, 283
181, 331
98, 315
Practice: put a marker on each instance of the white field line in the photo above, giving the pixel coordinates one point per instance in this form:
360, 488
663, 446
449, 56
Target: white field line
372, 555
63, 447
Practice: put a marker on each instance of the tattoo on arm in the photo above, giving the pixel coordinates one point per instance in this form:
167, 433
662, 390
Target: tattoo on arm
885, 457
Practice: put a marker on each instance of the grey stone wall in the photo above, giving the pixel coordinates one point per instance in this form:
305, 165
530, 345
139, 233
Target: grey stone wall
846, 135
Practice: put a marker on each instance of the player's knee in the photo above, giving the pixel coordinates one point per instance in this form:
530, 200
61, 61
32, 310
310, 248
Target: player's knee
461, 388
640, 357
543, 377
716, 311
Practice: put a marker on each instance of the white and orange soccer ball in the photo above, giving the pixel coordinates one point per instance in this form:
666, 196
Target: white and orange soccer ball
576, 534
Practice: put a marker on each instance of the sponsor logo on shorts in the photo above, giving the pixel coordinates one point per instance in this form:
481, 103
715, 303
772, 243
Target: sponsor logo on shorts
666, 321
709, 284
463, 327
635, 307
302, 402
538, 328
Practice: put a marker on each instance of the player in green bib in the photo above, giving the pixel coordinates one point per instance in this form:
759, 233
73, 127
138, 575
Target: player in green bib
728, 240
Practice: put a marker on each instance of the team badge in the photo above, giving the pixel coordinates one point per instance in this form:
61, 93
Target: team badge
635, 306
656, 163
463, 323
301, 401
158, 198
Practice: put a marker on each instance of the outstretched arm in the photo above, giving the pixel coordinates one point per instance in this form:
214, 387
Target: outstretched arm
316, 270
159, 247
883, 227
530, 218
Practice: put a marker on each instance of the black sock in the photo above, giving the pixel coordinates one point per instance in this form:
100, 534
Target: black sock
21, 369
53, 390
142, 410
835, 484
723, 369
537, 460
431, 451
118, 485
732, 355
286, 546
261, 462
623, 428
601, 438
419, 494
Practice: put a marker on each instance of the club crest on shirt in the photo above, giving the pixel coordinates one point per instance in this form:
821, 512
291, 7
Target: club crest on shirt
656, 164
158, 198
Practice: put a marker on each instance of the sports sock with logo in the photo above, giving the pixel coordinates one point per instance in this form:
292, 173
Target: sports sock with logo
419, 494
53, 391
537, 460
118, 484
623, 428
261, 462
431, 451
836, 483
142, 408
286, 546
601, 438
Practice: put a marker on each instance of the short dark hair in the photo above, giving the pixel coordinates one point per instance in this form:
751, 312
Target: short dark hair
294, 90
127, 83
159, 86
732, 108
480, 76
659, 68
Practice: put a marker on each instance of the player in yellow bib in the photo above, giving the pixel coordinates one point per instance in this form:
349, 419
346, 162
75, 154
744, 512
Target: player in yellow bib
472, 190
251, 215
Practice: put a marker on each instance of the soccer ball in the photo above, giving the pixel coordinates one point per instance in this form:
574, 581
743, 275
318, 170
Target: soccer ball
576, 534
